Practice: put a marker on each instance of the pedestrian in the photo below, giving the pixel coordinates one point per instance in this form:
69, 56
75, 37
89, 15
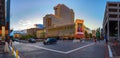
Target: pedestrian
95, 40
10, 43
7, 39
6, 47
99, 40
106, 39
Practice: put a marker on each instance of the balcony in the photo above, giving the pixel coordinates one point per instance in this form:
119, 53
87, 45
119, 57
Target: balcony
112, 10
112, 4
113, 16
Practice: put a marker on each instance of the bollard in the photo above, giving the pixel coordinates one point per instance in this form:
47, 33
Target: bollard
12, 50
16, 53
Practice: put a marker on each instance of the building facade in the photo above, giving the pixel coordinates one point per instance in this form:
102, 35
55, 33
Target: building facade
93, 33
60, 24
111, 22
32, 31
40, 34
2, 15
17, 35
7, 21
63, 32
4, 18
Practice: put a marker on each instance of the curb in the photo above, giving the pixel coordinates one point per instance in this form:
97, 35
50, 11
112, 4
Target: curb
110, 52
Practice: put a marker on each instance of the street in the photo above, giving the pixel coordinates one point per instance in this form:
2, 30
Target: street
63, 49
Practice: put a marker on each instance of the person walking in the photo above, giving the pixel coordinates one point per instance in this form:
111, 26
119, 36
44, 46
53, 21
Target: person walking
95, 39
7, 41
106, 39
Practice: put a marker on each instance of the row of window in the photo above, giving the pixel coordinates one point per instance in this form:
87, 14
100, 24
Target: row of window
113, 4
1, 8
62, 32
1, 16
113, 10
48, 21
2, 23
113, 16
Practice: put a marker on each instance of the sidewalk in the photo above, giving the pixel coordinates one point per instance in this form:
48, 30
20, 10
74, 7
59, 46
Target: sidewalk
4, 55
115, 50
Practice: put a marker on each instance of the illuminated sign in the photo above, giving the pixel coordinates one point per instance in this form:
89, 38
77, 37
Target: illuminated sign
3, 31
80, 28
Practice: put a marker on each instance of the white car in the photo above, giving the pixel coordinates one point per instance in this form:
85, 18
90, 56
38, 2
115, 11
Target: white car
76, 40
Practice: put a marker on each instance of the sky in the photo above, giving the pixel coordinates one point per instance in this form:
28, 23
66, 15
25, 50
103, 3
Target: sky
25, 13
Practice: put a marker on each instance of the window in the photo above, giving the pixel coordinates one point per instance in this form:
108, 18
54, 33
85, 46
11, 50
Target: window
112, 10
0, 6
119, 10
119, 5
48, 21
113, 15
111, 4
119, 16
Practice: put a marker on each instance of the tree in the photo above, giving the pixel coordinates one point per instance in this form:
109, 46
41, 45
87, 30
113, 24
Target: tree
86, 34
26, 37
43, 34
90, 35
98, 34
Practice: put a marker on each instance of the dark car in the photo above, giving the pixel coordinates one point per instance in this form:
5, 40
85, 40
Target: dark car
31, 40
0, 41
15, 39
50, 41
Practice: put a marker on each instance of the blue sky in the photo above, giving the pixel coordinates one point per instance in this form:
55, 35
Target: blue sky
26, 13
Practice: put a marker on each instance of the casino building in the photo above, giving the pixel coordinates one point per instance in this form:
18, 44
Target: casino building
62, 24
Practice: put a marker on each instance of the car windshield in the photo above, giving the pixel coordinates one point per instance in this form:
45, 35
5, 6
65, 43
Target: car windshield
16, 39
33, 39
48, 39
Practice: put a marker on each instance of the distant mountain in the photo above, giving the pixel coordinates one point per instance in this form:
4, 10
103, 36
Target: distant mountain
39, 26
18, 31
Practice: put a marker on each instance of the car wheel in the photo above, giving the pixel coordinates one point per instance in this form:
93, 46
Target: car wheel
55, 42
47, 43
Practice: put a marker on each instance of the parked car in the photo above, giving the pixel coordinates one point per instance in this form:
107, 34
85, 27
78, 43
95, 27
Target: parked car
50, 41
32, 40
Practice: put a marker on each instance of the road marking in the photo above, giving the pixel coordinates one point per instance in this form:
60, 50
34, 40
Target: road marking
48, 49
79, 48
110, 52
14, 52
61, 51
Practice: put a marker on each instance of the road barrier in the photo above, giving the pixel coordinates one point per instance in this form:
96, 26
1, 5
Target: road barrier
12, 50
15, 53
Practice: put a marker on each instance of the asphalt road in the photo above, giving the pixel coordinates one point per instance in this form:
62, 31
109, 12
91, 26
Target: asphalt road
63, 49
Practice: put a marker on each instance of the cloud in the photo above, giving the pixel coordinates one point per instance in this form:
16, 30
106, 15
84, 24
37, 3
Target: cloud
91, 22
27, 23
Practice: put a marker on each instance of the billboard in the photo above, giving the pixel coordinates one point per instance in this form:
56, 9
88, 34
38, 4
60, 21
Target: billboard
80, 28
3, 31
